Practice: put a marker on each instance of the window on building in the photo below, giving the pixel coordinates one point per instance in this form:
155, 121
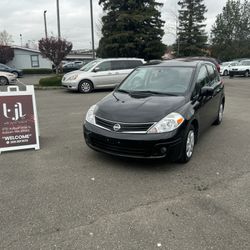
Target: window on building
34, 61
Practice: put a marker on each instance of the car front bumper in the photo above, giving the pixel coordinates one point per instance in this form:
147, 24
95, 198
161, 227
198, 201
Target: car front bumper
134, 145
237, 72
70, 85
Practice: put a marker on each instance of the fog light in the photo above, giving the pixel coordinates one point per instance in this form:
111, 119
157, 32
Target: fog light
163, 150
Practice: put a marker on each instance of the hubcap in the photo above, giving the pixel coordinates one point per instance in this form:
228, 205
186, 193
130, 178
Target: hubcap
190, 143
221, 112
85, 86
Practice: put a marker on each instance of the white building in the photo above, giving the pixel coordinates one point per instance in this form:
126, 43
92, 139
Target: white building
25, 58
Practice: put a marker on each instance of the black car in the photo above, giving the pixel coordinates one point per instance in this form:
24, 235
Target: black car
16, 72
157, 111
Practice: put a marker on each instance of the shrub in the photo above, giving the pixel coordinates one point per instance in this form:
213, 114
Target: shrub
51, 81
37, 71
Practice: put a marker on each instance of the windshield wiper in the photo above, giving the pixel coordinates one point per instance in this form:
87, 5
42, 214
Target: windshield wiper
123, 91
149, 92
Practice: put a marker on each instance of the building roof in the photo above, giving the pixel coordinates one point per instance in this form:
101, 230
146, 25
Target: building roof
26, 49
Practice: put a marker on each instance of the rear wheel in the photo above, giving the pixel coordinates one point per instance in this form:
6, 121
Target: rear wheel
15, 73
3, 81
219, 118
188, 148
85, 86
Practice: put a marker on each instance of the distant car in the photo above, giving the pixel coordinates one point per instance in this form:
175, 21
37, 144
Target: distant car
16, 72
6, 78
158, 111
75, 65
242, 69
202, 58
225, 67
101, 73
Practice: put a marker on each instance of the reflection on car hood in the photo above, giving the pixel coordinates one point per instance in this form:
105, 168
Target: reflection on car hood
122, 107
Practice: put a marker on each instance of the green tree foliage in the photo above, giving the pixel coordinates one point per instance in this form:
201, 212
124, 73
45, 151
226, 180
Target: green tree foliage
131, 28
6, 54
230, 34
191, 32
55, 49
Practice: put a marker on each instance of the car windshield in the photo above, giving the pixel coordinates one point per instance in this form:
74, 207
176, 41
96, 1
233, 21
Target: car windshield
158, 80
89, 65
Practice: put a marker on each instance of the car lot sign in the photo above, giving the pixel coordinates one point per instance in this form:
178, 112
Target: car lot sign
18, 119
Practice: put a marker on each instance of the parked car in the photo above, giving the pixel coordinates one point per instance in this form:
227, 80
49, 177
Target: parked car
72, 66
243, 69
226, 66
157, 111
16, 72
6, 78
203, 58
101, 73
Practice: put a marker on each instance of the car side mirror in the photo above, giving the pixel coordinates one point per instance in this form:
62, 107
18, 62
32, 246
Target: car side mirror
207, 91
96, 69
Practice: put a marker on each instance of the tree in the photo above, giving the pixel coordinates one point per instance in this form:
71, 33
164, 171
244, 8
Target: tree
55, 49
230, 35
5, 38
6, 54
131, 29
191, 32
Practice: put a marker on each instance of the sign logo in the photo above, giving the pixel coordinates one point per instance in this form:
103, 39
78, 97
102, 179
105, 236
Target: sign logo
117, 127
16, 114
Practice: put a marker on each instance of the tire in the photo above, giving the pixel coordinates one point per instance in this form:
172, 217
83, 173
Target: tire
231, 75
3, 81
247, 73
15, 73
188, 146
85, 86
225, 73
219, 118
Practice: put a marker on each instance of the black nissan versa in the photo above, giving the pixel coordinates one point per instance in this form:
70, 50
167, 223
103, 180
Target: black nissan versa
157, 111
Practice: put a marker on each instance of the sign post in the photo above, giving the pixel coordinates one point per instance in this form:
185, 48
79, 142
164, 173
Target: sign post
18, 119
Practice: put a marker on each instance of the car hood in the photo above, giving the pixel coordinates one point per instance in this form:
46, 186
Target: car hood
122, 107
79, 72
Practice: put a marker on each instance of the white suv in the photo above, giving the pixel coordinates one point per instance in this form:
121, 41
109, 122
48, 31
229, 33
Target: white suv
101, 73
243, 68
226, 66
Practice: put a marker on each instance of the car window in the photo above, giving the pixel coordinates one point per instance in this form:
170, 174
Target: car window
118, 65
104, 66
213, 74
89, 65
132, 64
2, 66
202, 80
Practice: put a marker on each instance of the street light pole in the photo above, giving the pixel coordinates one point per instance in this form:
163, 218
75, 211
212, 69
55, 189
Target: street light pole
92, 29
45, 24
58, 19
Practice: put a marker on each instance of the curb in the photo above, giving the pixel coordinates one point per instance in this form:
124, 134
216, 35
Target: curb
48, 87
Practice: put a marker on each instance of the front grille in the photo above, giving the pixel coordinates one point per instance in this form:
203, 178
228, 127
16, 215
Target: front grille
116, 146
124, 127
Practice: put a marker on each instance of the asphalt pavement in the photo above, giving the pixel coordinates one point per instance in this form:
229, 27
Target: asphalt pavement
66, 196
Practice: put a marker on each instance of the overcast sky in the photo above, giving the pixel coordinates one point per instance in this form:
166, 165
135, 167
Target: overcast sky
26, 17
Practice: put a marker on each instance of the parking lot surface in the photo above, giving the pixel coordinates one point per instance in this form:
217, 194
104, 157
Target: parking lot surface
66, 196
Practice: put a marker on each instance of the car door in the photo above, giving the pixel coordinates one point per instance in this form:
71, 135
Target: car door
103, 76
204, 106
216, 83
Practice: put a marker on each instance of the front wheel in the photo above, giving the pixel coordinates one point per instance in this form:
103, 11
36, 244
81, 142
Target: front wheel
188, 148
15, 73
247, 74
85, 86
225, 73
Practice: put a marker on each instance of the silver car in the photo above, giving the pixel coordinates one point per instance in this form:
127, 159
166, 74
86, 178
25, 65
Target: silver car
7, 78
100, 73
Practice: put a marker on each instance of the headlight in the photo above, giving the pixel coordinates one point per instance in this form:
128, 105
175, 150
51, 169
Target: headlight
167, 124
90, 116
72, 77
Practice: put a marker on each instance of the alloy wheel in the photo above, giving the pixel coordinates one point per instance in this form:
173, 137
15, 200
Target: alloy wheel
190, 143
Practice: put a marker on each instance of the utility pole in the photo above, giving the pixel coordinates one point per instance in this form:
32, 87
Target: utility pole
92, 29
45, 24
58, 19
21, 39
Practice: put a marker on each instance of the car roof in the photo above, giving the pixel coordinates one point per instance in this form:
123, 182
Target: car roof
119, 58
180, 63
